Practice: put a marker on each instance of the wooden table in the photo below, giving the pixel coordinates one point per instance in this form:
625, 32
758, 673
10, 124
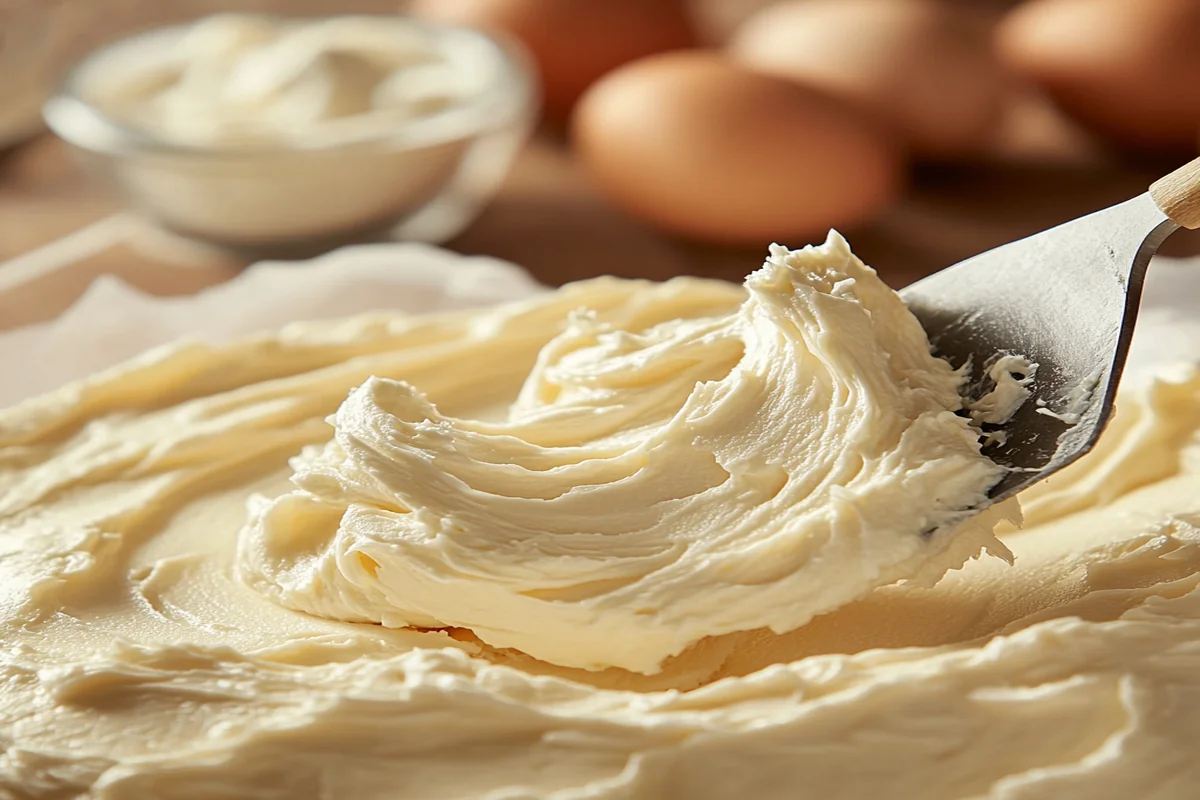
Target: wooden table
548, 219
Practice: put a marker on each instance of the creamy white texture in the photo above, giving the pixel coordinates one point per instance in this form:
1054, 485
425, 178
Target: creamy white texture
133, 663
237, 80
655, 483
1010, 377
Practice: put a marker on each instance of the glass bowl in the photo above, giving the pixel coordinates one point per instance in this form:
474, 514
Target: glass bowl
423, 180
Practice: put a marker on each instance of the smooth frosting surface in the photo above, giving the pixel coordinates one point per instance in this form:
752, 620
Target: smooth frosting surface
135, 663
663, 476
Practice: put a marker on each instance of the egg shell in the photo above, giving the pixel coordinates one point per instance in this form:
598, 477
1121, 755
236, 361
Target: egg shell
1129, 69
573, 42
700, 146
925, 68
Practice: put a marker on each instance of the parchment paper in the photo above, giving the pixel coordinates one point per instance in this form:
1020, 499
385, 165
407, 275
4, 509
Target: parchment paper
113, 321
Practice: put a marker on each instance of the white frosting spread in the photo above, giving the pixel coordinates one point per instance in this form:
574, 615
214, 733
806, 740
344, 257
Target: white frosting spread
1010, 377
659, 479
237, 80
134, 663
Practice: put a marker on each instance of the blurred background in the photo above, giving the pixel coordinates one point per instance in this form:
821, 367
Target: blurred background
642, 138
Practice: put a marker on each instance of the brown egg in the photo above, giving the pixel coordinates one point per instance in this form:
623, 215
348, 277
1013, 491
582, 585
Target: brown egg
573, 42
701, 146
926, 68
1130, 69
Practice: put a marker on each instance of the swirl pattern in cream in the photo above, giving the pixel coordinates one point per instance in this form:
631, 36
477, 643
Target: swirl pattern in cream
655, 482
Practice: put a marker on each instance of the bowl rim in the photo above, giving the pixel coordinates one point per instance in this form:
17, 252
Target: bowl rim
510, 94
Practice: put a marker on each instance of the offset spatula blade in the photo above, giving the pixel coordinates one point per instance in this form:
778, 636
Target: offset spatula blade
1066, 299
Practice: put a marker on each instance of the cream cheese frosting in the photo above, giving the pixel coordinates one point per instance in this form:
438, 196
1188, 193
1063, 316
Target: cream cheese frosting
658, 480
242, 80
136, 663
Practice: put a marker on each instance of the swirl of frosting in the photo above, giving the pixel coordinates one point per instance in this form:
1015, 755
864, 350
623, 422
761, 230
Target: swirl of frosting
653, 484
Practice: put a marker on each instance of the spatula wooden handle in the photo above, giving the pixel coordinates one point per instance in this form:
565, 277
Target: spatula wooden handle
1178, 195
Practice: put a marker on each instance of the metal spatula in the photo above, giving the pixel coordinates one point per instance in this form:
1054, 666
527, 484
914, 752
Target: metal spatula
1066, 299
